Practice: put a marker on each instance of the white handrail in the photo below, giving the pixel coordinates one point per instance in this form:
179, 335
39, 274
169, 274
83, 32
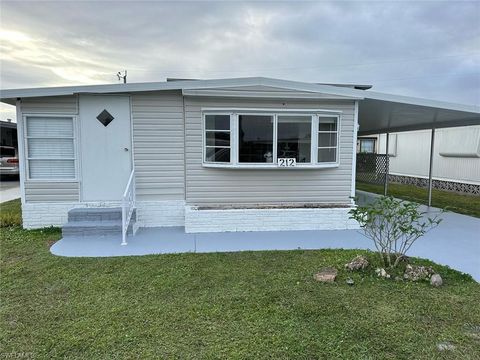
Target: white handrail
128, 204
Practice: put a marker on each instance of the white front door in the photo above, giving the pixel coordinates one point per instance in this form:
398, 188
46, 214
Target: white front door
105, 146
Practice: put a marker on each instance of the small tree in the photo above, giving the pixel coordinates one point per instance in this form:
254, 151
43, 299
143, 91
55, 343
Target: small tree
393, 225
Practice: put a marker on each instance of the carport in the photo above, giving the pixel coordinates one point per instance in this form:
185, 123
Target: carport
383, 114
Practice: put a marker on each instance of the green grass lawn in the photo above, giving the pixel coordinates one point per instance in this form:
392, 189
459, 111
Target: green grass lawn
463, 204
10, 213
227, 305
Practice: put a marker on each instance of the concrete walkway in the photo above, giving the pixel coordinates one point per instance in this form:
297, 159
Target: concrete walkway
456, 243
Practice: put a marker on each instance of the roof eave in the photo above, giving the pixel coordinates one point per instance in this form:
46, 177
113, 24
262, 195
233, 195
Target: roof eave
400, 99
177, 85
264, 94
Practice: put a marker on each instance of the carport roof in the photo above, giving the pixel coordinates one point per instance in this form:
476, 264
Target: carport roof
378, 112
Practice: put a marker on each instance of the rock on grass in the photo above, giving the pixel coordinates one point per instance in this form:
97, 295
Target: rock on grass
326, 275
445, 346
359, 262
436, 280
415, 272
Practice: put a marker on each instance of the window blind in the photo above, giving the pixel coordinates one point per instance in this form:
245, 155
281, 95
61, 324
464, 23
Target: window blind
49, 127
50, 147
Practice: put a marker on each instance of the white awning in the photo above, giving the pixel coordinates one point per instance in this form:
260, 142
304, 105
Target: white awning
381, 116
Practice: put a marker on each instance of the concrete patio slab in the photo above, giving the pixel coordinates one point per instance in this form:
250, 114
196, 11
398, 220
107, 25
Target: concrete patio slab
147, 241
455, 242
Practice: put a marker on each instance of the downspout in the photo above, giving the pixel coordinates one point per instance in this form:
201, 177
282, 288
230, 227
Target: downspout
354, 153
184, 151
430, 168
387, 156
21, 149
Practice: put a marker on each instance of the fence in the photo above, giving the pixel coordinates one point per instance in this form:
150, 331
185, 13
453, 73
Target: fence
372, 168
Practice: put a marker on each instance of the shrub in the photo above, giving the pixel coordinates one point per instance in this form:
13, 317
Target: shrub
393, 226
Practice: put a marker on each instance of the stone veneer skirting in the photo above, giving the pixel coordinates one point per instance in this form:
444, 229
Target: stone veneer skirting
436, 184
277, 219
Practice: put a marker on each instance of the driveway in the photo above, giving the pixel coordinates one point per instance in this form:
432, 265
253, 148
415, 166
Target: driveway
9, 189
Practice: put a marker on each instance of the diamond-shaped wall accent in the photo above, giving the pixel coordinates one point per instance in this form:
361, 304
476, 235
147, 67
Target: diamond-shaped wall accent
105, 117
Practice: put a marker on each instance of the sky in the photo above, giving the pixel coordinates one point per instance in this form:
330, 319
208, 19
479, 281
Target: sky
428, 49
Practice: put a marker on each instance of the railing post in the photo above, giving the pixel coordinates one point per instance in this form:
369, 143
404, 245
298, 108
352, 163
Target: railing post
128, 204
134, 190
124, 217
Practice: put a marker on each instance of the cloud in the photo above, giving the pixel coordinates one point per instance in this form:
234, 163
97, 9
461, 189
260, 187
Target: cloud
428, 49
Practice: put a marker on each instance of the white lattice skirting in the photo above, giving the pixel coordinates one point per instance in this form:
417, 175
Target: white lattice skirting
472, 189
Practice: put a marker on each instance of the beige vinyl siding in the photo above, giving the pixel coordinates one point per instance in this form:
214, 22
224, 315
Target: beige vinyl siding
36, 191
50, 191
158, 140
212, 186
50, 105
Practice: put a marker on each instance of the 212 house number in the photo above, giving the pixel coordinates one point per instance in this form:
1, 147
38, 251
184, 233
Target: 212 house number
287, 162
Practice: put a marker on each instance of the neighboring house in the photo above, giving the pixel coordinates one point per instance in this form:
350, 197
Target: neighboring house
8, 133
456, 157
210, 155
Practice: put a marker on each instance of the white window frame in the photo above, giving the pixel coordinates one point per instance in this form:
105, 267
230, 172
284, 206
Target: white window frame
337, 147
234, 131
75, 147
204, 139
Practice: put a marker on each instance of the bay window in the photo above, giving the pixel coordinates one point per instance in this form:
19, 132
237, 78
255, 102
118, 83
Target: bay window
268, 139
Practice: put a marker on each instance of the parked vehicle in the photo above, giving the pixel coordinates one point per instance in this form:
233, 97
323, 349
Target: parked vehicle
8, 161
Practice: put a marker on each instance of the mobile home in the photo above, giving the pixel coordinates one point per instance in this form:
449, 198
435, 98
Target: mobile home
208, 155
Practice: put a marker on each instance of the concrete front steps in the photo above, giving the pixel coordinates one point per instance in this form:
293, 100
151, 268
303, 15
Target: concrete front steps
96, 222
